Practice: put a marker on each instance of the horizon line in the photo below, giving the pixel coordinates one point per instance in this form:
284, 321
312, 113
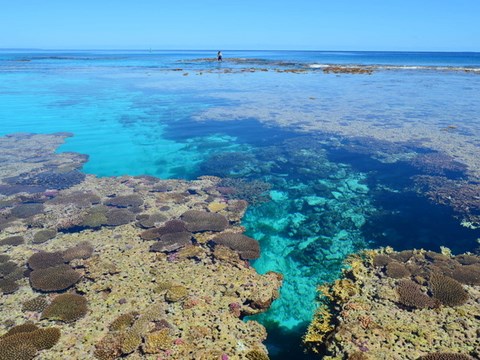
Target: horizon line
286, 50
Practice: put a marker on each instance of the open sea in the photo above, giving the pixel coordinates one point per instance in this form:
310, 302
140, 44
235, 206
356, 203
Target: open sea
332, 150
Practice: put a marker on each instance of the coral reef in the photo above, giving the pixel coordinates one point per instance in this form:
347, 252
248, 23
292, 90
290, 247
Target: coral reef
197, 221
174, 302
66, 307
52, 279
12, 241
418, 316
247, 247
25, 344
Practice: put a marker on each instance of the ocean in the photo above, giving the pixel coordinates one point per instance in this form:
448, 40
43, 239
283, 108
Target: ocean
334, 151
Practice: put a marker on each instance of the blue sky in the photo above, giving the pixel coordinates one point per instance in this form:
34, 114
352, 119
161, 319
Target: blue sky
416, 25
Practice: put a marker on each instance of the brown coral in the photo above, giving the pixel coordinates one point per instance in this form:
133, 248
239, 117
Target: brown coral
411, 295
12, 241
56, 278
170, 227
37, 304
197, 221
66, 307
172, 242
125, 201
82, 250
176, 293
247, 247
24, 345
447, 290
43, 259
445, 356
157, 341
44, 235
396, 270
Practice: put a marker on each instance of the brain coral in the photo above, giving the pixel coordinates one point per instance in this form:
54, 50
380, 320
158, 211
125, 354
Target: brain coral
44, 235
204, 221
172, 242
445, 356
56, 278
82, 250
247, 247
43, 259
66, 308
411, 295
447, 290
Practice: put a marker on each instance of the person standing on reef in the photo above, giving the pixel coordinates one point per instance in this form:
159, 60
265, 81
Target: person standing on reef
219, 56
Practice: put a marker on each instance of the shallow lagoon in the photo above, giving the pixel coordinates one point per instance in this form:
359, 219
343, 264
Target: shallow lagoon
330, 155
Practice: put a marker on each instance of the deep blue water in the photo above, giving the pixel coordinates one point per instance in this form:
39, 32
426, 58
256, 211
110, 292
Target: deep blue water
132, 113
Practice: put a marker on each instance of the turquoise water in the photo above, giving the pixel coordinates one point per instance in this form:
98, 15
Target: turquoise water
313, 201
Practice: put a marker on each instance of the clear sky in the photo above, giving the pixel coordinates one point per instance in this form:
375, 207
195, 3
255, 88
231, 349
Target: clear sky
416, 25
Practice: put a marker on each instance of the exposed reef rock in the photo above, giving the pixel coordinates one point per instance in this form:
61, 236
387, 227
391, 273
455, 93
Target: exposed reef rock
136, 257
426, 314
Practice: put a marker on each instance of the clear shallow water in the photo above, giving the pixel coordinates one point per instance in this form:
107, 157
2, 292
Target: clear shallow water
132, 114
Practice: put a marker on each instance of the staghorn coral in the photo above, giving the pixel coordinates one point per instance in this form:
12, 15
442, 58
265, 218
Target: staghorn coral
56, 278
37, 304
445, 356
411, 295
247, 247
44, 235
197, 221
447, 290
66, 307
43, 259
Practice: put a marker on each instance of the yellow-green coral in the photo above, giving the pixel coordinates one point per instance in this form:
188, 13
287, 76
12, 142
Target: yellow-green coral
256, 355
176, 293
319, 328
157, 341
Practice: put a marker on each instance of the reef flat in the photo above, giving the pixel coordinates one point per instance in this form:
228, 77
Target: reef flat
131, 267
412, 304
